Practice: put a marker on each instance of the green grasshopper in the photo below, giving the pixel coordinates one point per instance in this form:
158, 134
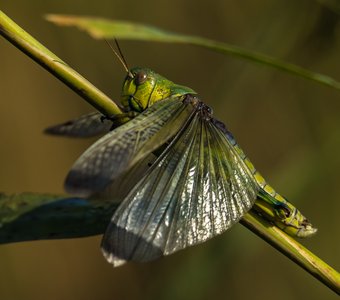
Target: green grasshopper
193, 180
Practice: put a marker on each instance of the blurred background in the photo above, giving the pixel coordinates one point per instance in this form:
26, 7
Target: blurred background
289, 127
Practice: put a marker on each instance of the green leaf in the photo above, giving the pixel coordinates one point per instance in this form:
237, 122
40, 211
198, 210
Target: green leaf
28, 216
100, 28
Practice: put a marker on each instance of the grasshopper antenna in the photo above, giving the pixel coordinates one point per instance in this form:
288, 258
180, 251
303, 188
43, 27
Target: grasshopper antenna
119, 55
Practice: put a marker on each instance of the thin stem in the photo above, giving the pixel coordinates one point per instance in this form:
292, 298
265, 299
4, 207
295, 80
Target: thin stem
293, 250
44, 57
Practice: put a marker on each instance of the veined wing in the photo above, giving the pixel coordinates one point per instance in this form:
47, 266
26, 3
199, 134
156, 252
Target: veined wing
119, 187
120, 149
198, 188
85, 126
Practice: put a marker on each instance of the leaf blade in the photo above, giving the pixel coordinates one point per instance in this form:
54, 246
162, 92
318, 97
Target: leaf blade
100, 28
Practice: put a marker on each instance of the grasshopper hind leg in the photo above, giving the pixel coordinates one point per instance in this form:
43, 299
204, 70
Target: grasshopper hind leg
283, 214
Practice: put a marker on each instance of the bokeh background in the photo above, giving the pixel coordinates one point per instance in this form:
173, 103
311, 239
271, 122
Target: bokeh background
288, 126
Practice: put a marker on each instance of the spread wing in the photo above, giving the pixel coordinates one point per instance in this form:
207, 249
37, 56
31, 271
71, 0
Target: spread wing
198, 188
120, 149
85, 126
119, 188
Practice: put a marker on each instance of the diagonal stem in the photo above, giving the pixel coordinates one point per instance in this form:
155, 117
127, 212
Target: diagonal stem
52, 63
293, 250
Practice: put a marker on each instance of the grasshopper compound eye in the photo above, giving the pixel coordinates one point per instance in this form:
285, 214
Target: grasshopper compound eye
140, 78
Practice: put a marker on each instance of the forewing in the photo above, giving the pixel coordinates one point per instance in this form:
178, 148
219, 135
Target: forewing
85, 126
119, 188
198, 188
120, 149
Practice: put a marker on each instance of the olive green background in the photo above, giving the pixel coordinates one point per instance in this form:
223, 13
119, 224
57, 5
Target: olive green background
289, 127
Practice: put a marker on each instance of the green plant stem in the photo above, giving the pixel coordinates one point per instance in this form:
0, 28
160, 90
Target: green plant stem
44, 57
34, 217
293, 250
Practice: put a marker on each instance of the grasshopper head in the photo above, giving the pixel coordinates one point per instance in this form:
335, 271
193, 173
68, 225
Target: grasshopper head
143, 87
